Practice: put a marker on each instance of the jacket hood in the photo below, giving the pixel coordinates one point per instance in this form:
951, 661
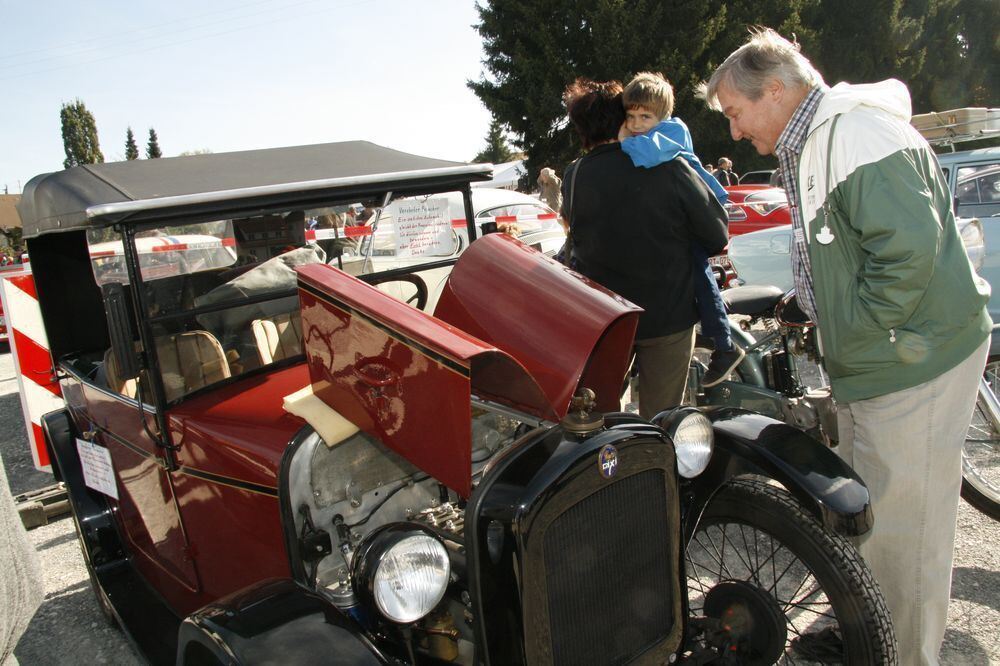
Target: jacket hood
890, 95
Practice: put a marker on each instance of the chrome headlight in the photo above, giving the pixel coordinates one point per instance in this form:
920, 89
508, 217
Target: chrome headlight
693, 437
974, 240
405, 570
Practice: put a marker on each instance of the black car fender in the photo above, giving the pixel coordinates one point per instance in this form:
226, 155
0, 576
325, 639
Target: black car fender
98, 533
275, 622
750, 443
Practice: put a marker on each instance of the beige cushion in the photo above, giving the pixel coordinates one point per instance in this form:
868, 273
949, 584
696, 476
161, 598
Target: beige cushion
189, 361
115, 382
325, 420
278, 337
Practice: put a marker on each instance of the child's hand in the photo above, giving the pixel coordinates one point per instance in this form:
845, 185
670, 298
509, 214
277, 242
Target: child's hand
623, 132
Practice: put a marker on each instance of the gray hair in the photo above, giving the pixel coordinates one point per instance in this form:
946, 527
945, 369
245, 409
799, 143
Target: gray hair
765, 57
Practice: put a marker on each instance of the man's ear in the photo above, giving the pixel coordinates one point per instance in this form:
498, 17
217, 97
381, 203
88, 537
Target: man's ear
774, 89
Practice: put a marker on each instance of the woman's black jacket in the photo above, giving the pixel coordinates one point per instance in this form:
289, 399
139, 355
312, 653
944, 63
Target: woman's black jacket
633, 228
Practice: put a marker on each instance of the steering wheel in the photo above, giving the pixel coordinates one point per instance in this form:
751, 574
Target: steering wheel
419, 298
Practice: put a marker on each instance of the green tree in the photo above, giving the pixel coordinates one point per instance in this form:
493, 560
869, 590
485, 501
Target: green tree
131, 149
497, 151
710, 129
79, 133
962, 64
153, 146
862, 41
533, 48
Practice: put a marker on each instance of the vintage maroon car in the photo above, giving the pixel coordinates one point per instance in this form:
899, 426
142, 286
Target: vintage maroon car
275, 454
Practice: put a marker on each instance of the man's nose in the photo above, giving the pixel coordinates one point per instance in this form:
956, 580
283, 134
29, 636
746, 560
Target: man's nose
735, 131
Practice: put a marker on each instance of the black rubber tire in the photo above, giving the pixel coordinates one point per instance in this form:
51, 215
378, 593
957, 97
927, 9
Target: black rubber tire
103, 603
759, 531
981, 455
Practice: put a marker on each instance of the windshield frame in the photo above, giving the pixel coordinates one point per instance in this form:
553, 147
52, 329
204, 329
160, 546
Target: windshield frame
144, 321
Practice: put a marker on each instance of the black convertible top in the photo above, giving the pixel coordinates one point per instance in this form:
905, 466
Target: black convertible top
155, 189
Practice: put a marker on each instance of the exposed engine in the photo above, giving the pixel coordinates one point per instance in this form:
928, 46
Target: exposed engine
342, 493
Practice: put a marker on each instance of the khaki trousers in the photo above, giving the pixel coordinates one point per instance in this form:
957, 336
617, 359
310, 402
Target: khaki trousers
907, 447
663, 370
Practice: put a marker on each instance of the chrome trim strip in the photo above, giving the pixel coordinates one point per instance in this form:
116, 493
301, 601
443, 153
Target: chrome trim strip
146, 407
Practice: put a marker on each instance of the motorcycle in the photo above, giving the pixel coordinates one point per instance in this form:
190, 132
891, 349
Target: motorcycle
781, 377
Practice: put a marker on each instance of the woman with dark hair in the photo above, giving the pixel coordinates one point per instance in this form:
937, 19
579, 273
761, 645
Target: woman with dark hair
631, 230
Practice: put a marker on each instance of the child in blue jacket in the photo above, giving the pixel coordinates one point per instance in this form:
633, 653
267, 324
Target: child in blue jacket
650, 136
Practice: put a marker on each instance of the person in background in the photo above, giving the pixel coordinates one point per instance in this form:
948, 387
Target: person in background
550, 188
631, 230
880, 267
725, 174
651, 136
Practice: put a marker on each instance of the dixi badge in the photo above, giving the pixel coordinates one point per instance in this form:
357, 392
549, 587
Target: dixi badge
607, 461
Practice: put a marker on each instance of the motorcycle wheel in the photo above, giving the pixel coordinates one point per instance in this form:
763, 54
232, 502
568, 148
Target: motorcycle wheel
981, 454
772, 574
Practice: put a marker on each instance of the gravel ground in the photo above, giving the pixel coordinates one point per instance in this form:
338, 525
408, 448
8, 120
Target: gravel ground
69, 628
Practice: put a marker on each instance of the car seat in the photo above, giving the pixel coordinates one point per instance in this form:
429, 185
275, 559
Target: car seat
278, 337
189, 361
112, 374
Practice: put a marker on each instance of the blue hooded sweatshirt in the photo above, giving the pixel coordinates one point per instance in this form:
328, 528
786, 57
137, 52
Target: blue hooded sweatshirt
667, 141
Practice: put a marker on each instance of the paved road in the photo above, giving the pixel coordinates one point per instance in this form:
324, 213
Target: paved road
69, 629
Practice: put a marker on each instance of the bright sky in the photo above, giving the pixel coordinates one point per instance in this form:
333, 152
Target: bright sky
239, 74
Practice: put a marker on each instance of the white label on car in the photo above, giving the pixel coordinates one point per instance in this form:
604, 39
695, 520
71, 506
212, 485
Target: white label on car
423, 228
98, 472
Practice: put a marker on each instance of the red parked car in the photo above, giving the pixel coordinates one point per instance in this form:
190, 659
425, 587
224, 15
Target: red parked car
755, 207
750, 208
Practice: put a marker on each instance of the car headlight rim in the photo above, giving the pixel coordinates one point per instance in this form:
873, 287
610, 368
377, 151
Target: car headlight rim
403, 571
693, 438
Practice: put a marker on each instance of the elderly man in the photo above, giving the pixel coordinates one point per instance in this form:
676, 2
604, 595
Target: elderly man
879, 264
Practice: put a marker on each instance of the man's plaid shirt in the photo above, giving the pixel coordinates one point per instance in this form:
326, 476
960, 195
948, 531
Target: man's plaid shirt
789, 150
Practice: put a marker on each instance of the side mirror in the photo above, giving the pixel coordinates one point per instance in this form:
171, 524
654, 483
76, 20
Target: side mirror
120, 329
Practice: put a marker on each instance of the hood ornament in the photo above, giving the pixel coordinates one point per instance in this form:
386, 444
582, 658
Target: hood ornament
580, 419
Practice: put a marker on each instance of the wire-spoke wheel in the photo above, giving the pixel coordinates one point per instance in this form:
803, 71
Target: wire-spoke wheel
785, 590
981, 454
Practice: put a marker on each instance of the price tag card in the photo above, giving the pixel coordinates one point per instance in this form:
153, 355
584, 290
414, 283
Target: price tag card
98, 473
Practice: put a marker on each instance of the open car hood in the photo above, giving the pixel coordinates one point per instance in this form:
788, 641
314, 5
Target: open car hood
512, 326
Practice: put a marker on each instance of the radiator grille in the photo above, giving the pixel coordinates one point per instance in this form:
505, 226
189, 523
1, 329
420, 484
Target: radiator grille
608, 573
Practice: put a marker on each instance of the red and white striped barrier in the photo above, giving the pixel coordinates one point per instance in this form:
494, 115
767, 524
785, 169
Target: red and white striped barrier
29, 347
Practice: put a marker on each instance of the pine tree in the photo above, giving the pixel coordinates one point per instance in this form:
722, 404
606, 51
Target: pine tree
962, 63
534, 48
131, 149
79, 132
153, 147
497, 151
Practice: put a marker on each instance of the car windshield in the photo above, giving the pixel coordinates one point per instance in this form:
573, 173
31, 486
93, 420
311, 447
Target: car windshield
200, 247
220, 298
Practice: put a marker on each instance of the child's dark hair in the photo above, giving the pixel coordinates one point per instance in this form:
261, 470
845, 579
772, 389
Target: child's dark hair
652, 91
595, 108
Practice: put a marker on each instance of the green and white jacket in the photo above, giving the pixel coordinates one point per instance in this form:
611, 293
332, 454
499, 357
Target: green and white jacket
897, 299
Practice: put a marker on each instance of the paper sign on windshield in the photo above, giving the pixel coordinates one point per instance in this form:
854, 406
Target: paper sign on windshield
423, 228
98, 472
